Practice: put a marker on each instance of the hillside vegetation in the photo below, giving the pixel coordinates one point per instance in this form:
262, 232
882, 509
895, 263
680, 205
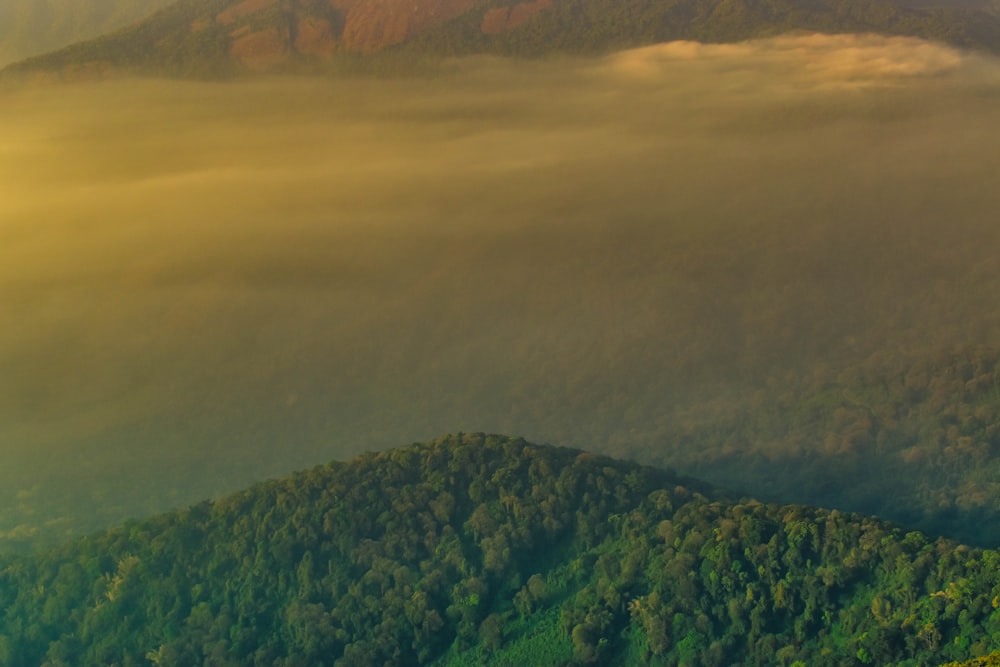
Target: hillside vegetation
490, 550
991, 660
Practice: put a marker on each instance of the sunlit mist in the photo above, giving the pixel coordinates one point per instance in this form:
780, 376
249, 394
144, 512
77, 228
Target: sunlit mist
203, 284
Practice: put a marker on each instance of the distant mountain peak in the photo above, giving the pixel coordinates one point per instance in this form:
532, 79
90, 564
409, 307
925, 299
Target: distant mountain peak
227, 37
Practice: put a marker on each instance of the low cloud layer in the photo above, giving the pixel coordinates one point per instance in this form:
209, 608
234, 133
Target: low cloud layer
205, 284
801, 59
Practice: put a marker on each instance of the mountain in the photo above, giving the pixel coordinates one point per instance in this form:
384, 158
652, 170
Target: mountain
476, 549
227, 36
32, 27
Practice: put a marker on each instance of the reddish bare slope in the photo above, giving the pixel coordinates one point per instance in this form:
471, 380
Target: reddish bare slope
265, 33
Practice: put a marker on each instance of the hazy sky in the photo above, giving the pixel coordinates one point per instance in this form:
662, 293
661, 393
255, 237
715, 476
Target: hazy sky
203, 284
32, 27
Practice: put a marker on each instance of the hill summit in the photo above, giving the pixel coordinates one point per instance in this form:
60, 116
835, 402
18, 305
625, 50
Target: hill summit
476, 549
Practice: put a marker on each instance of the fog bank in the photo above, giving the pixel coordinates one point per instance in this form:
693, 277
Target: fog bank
206, 284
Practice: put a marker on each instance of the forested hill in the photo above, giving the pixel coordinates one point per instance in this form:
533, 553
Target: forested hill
481, 549
222, 37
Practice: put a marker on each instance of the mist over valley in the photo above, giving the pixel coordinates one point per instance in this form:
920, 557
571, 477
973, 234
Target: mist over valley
770, 264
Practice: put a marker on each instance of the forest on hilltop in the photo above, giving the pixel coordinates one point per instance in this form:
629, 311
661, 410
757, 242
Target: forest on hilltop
490, 550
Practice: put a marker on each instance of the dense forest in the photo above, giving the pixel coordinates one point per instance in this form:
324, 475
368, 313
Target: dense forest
916, 438
991, 660
490, 550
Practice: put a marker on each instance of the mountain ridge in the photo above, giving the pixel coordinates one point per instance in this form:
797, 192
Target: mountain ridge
225, 37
